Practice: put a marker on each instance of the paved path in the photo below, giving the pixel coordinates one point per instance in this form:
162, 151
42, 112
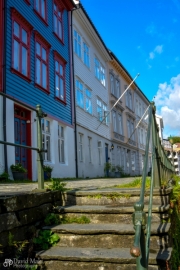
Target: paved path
8, 189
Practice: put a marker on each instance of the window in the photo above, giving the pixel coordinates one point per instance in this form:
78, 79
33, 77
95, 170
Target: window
101, 110
77, 43
100, 152
40, 7
60, 89
99, 71
21, 33
81, 147
118, 89
120, 126
46, 139
133, 161
137, 107
79, 94
88, 101
130, 127
42, 62
112, 83
86, 54
61, 144
114, 121
90, 149
140, 111
129, 102
123, 158
58, 20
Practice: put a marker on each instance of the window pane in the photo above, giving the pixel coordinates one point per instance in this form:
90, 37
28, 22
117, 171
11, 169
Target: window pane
60, 29
48, 147
43, 54
38, 48
47, 126
38, 71
57, 86
57, 66
62, 132
16, 55
59, 13
55, 24
43, 8
61, 89
24, 61
61, 70
62, 150
24, 36
16, 29
55, 7
44, 76
42, 124
43, 145
37, 5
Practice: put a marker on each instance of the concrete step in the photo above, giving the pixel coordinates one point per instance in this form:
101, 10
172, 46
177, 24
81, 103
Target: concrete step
114, 213
99, 259
107, 235
111, 196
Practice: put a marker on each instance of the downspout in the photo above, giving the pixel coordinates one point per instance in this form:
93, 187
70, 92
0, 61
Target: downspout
74, 92
4, 87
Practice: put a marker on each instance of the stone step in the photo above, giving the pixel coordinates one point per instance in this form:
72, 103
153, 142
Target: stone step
107, 235
111, 213
111, 196
99, 259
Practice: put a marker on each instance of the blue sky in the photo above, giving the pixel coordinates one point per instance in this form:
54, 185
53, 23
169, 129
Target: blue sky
145, 36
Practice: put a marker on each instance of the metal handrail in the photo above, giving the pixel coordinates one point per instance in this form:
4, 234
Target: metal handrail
162, 168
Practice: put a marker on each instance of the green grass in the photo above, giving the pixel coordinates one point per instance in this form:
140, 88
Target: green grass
135, 184
79, 220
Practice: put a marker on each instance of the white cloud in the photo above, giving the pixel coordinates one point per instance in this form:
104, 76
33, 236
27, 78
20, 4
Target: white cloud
167, 102
151, 55
157, 50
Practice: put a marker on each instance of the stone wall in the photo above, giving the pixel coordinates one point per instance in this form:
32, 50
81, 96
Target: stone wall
20, 214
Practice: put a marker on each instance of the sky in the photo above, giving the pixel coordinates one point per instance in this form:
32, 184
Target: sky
145, 36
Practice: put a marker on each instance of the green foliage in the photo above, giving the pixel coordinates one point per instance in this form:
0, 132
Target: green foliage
4, 176
56, 184
52, 219
175, 232
47, 168
18, 246
107, 166
18, 168
115, 196
46, 239
135, 183
113, 168
79, 220
175, 139
119, 169
97, 196
175, 194
31, 267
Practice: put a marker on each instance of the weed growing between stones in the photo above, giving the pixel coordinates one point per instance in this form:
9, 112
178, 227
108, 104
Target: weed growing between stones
79, 220
56, 184
45, 239
112, 196
135, 183
52, 219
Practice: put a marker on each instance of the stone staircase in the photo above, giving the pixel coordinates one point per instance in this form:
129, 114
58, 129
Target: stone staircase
104, 243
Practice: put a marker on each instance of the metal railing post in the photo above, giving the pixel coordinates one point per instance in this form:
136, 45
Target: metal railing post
39, 114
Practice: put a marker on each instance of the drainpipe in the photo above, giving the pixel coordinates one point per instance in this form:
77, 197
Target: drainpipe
74, 102
4, 88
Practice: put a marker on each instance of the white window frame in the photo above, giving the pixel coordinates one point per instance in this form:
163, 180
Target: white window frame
101, 110
79, 93
120, 124
118, 89
99, 71
77, 43
88, 100
114, 120
46, 137
61, 142
86, 55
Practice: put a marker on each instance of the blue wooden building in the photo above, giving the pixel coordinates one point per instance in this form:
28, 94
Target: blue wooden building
36, 68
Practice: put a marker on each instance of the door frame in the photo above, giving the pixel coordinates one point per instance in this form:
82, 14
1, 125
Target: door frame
27, 118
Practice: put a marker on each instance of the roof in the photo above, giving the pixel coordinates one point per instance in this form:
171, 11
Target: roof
114, 56
93, 26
